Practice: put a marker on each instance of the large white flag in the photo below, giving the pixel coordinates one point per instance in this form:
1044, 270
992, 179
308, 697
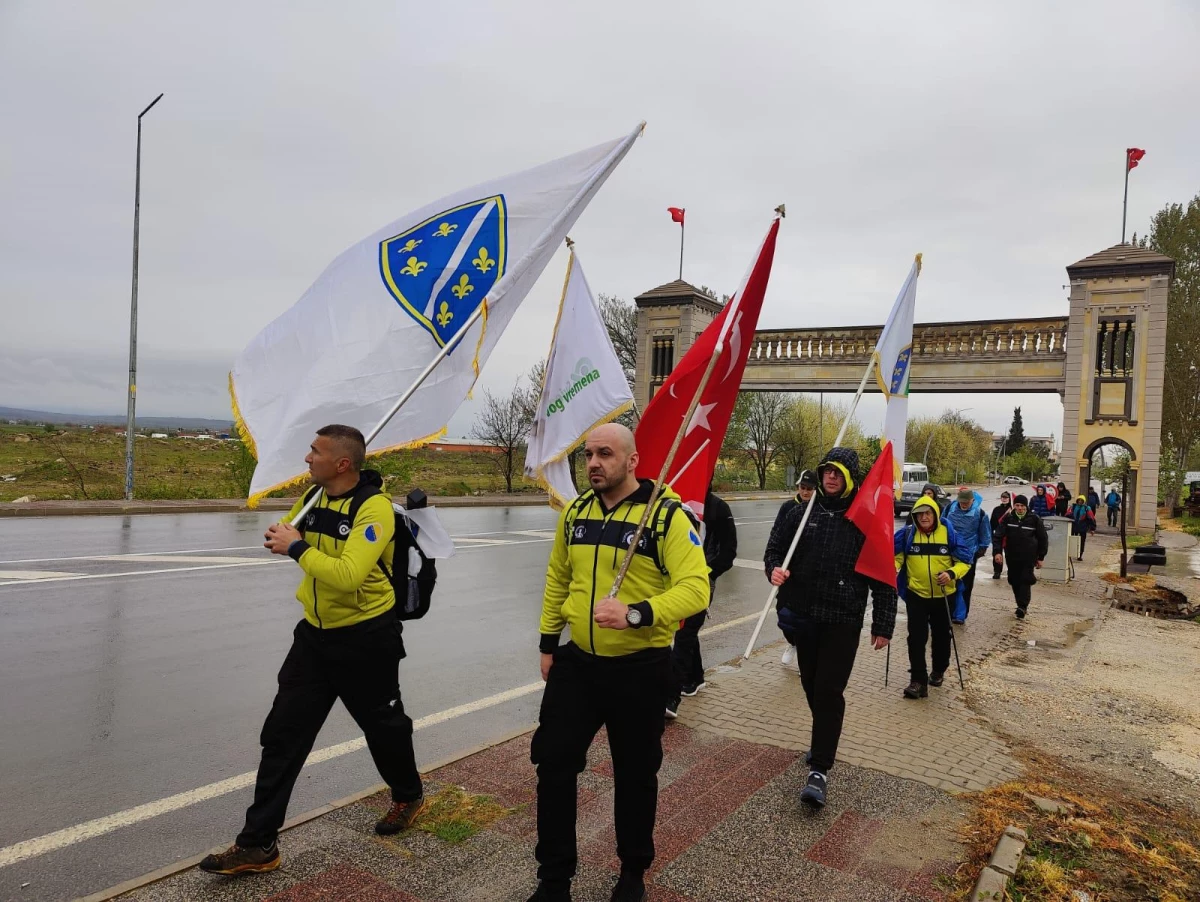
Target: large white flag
379, 314
893, 354
584, 386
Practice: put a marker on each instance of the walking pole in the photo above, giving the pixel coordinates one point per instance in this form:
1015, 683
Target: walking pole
953, 641
887, 666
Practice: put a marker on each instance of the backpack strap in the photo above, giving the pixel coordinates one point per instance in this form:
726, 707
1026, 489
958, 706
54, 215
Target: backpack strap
573, 510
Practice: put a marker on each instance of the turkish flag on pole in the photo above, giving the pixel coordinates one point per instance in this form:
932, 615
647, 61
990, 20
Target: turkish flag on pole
871, 512
1133, 156
677, 213
694, 462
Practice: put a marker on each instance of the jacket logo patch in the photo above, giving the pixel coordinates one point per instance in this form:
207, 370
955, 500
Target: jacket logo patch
695, 538
579, 532
628, 537
372, 533
343, 529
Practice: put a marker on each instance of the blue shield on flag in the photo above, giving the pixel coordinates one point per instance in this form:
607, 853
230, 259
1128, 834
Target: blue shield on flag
899, 371
440, 270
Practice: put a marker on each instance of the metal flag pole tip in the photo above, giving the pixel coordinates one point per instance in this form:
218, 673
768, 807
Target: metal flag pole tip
782, 211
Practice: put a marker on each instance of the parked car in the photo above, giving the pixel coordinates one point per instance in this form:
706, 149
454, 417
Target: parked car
1015, 480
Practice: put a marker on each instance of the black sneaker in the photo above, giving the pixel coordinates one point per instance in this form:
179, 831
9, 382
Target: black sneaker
689, 691
936, 679
631, 887
237, 860
916, 689
400, 816
813, 794
546, 893
672, 709
1020, 613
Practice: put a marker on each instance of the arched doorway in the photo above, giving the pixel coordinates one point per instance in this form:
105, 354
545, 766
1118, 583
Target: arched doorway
1108, 459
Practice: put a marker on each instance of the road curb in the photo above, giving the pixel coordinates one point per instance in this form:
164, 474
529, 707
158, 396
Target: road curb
1006, 858
188, 863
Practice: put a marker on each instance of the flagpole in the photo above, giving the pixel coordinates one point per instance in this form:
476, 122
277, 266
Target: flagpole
682, 226
808, 509
1125, 202
679, 435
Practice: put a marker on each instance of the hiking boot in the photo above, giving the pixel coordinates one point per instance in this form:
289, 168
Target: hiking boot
916, 689
672, 709
936, 679
813, 794
1020, 613
237, 860
789, 655
400, 816
631, 887
956, 621
547, 893
689, 691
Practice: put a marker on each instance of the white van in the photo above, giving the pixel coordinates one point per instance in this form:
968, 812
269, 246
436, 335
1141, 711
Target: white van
913, 478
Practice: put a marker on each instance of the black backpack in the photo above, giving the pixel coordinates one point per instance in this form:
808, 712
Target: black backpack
413, 593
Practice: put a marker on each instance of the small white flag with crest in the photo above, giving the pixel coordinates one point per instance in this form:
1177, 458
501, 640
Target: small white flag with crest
893, 359
383, 310
584, 386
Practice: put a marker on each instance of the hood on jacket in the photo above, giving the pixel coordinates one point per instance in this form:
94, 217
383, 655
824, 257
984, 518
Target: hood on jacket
365, 478
846, 460
925, 502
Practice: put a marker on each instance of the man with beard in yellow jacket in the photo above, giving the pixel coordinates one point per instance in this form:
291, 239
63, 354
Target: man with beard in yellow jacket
615, 671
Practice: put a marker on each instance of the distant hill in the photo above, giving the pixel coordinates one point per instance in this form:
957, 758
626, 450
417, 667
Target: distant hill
83, 419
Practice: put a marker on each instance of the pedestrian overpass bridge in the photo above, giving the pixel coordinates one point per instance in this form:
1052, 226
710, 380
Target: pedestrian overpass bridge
1104, 358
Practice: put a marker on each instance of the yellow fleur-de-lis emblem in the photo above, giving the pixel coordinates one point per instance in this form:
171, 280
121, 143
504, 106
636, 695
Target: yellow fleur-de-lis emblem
445, 316
413, 267
483, 262
463, 288
410, 245
444, 230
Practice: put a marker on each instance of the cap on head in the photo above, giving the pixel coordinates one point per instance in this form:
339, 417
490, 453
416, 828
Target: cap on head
965, 494
1021, 499
808, 479
1081, 499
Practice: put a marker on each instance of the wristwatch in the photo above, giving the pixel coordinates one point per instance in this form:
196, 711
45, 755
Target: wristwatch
633, 617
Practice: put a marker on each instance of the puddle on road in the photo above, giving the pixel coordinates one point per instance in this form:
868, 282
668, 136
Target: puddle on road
1077, 630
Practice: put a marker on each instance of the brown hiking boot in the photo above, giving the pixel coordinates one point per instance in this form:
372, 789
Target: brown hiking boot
400, 816
236, 860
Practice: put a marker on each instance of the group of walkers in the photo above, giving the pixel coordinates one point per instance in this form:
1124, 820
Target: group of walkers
633, 654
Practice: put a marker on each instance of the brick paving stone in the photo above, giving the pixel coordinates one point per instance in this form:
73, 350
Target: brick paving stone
342, 883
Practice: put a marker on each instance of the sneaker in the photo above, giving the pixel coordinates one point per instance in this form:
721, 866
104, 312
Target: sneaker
789, 655
672, 709
936, 679
813, 794
400, 816
1020, 613
916, 689
689, 691
545, 893
236, 860
631, 887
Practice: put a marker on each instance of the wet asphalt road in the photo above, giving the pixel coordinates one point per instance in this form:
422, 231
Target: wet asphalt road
138, 659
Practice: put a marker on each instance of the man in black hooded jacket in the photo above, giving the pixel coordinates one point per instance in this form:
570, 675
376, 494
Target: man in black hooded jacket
829, 599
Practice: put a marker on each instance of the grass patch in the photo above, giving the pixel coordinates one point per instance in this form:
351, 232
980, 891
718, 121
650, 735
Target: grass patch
1114, 845
454, 815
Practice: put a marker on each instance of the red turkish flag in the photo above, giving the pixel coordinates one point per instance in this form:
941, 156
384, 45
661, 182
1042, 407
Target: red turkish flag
676, 214
871, 512
1133, 156
693, 465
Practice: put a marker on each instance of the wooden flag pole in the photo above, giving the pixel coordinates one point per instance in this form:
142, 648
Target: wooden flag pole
808, 509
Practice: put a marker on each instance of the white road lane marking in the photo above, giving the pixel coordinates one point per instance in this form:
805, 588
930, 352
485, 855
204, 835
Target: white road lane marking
37, 575
69, 836
170, 559
132, 554
126, 573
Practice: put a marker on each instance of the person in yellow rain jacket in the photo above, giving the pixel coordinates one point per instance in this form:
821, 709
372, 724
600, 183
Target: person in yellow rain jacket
616, 669
348, 646
930, 560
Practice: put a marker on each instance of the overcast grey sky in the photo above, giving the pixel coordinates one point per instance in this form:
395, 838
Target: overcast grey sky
989, 136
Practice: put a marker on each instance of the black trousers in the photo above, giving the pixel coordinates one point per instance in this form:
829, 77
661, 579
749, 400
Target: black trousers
685, 653
1021, 579
1112, 515
997, 569
628, 695
358, 664
968, 585
1082, 542
926, 617
825, 653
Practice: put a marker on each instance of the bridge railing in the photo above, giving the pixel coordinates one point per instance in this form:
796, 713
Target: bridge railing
994, 338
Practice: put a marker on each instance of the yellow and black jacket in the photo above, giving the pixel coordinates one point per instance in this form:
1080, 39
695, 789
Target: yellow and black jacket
920, 557
343, 581
667, 579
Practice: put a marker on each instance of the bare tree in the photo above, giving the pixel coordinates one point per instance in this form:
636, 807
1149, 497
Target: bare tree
504, 424
620, 320
759, 417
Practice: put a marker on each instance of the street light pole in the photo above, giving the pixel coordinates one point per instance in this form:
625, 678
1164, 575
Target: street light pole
137, 209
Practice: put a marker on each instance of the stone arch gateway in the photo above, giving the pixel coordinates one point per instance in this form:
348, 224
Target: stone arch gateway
1105, 358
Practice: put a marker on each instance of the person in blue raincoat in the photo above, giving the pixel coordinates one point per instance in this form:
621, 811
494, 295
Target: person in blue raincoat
930, 561
974, 530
